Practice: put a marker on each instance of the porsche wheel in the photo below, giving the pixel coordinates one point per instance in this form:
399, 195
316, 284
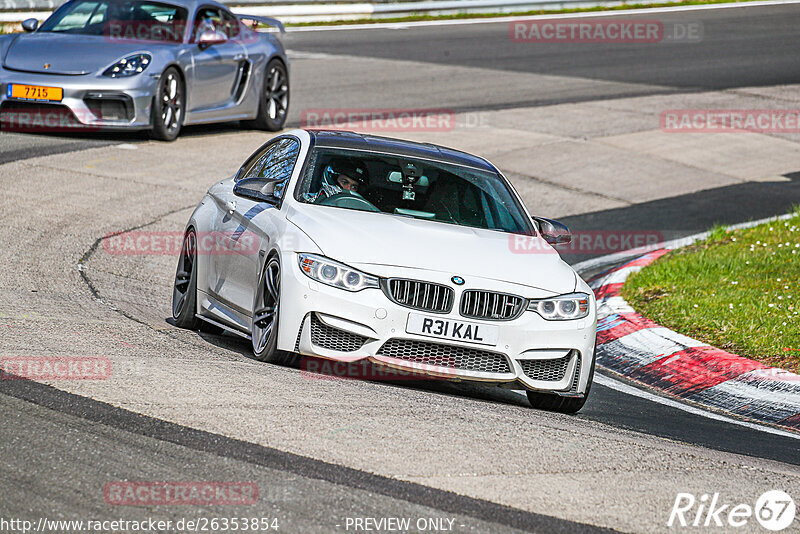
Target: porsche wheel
273, 104
184, 293
556, 403
169, 106
265, 315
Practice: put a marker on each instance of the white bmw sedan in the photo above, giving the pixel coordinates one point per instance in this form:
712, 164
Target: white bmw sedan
351, 247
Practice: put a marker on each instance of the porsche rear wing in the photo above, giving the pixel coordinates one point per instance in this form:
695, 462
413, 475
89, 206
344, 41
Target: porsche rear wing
268, 21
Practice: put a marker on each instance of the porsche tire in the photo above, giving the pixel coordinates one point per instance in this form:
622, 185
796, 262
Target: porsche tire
169, 106
273, 103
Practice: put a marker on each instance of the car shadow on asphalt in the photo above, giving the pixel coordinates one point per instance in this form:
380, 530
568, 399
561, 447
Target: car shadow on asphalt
92, 134
689, 214
319, 369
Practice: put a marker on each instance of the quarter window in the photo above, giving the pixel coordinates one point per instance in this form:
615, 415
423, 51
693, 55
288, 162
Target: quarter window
276, 163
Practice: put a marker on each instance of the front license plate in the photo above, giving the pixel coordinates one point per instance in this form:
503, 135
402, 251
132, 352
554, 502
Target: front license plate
34, 92
424, 325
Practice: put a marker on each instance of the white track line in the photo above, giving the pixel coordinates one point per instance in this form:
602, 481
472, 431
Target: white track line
609, 382
491, 20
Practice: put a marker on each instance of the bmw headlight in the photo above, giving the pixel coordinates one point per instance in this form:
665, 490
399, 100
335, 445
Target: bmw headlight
335, 274
129, 66
561, 308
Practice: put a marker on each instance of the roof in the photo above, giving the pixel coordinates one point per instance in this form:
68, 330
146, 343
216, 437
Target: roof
398, 147
191, 4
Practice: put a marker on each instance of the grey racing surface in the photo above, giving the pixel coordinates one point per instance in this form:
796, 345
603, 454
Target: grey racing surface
188, 406
126, 446
745, 46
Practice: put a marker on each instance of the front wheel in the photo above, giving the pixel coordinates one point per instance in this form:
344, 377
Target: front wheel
273, 104
266, 308
169, 106
184, 291
557, 403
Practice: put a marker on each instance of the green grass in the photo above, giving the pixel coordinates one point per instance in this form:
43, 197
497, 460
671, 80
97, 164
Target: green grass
737, 290
416, 18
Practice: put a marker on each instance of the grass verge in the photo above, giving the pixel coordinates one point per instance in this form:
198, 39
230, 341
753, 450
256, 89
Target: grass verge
736, 290
457, 16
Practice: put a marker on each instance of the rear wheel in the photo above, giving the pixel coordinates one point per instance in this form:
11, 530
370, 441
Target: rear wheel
169, 106
273, 104
556, 403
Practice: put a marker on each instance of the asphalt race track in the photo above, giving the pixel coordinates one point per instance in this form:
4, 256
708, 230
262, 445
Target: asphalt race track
190, 406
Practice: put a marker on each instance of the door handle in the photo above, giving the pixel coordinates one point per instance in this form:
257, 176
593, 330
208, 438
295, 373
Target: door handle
231, 205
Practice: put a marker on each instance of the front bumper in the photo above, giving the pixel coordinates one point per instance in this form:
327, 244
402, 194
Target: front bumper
89, 102
532, 353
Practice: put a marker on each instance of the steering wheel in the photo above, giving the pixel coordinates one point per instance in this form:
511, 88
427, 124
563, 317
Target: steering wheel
348, 199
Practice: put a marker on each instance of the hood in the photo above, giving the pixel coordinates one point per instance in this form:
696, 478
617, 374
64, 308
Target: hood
65, 53
362, 239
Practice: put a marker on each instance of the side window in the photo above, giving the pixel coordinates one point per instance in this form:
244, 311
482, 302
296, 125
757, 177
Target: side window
230, 25
207, 19
276, 163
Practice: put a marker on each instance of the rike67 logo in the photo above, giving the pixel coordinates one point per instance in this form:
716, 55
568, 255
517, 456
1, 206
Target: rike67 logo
775, 510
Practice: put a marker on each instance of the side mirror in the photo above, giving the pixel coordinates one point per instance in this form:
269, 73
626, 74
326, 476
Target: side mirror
261, 189
211, 37
554, 232
30, 25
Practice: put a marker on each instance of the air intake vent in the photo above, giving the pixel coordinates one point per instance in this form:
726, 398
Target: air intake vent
331, 338
420, 295
577, 376
462, 358
551, 370
492, 306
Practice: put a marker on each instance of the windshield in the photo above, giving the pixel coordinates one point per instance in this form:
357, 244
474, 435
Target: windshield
409, 187
138, 20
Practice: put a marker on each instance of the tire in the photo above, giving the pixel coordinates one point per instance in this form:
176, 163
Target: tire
273, 102
266, 311
184, 290
557, 403
169, 106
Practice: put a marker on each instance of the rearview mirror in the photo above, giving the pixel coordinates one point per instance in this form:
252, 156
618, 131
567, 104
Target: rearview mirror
30, 25
211, 37
554, 232
260, 189
397, 178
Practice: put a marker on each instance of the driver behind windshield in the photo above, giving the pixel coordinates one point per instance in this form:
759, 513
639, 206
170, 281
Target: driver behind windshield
339, 175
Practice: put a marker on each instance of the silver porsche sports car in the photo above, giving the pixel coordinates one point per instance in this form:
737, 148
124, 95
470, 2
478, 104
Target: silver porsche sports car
144, 64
